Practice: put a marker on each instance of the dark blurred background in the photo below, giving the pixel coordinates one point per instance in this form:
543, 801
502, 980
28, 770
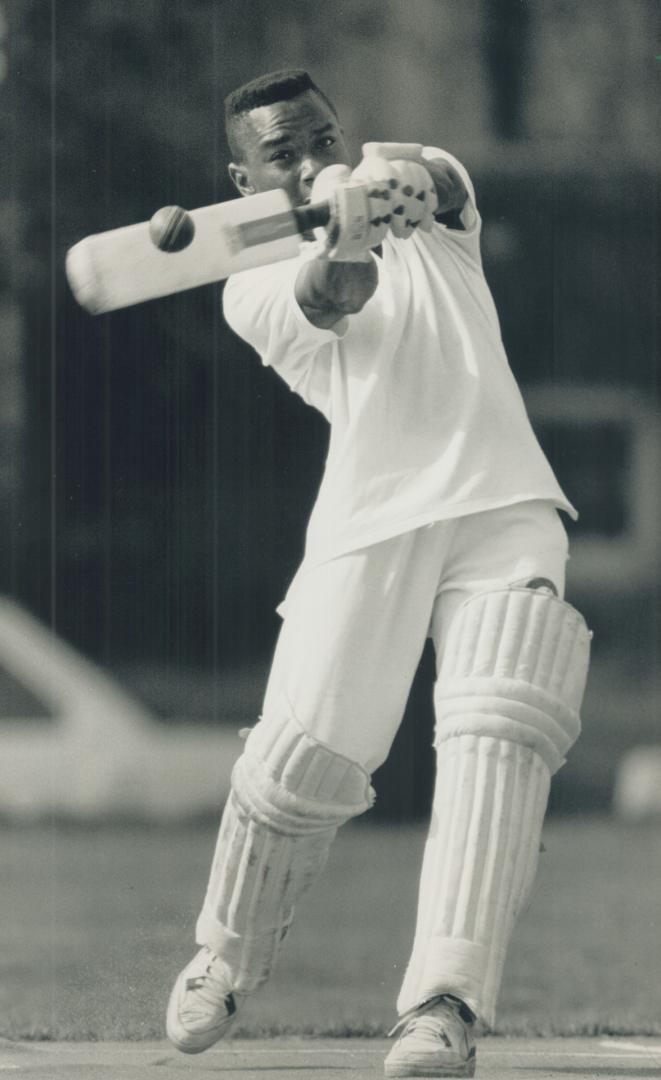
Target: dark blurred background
155, 482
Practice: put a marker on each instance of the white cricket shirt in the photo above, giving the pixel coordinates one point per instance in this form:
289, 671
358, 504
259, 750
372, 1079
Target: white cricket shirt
427, 421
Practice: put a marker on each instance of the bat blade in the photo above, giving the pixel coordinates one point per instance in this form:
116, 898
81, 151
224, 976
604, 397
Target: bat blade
122, 267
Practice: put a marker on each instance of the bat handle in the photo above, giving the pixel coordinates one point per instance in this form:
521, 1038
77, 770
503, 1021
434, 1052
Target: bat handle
300, 219
313, 216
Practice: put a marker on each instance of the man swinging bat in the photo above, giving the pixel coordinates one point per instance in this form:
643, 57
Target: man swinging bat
437, 516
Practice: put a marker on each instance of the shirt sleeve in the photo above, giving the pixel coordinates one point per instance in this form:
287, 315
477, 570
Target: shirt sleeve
261, 307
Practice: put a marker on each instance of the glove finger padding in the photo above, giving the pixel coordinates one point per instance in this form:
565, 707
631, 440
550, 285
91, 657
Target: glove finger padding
414, 201
348, 235
401, 194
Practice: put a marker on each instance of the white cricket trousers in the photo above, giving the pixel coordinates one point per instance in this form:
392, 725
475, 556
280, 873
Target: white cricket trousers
355, 627
352, 636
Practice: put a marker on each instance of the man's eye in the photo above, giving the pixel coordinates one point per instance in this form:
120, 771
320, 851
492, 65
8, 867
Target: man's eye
326, 142
281, 155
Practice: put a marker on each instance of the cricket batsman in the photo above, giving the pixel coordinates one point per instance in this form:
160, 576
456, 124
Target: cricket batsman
437, 516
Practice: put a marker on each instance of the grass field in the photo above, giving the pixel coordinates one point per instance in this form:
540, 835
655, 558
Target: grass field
96, 924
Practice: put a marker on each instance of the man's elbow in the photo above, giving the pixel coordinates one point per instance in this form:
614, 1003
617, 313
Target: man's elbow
351, 305
336, 288
327, 316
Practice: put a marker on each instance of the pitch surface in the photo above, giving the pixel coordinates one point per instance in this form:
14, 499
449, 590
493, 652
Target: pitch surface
317, 1059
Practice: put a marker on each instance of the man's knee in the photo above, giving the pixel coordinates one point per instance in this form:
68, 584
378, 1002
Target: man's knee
292, 783
514, 668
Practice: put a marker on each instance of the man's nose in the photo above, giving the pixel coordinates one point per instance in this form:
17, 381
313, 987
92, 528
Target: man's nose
310, 168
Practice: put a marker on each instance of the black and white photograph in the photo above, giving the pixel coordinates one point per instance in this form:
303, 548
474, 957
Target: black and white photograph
330, 539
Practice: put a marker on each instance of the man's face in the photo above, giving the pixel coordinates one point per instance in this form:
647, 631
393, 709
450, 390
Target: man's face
286, 144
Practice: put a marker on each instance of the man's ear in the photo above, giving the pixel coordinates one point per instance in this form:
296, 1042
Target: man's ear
240, 179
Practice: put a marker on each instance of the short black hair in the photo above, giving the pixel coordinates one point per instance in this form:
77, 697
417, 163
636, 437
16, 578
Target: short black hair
265, 90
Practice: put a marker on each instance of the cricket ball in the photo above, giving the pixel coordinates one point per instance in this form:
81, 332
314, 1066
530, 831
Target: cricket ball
171, 229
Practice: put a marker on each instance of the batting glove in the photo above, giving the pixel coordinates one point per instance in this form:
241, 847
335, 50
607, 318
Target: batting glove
400, 185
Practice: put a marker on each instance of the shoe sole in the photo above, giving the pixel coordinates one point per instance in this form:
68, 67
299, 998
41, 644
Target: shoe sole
399, 1070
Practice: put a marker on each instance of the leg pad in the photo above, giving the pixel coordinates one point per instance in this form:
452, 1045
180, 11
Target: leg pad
289, 796
507, 702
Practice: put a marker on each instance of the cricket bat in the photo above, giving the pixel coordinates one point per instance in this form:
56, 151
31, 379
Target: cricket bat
122, 267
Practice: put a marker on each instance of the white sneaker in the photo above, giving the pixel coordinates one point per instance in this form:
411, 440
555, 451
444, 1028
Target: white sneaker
436, 1040
202, 1006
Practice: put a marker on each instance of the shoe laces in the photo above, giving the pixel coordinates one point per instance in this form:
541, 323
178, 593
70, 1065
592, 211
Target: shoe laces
432, 1025
210, 985
429, 1019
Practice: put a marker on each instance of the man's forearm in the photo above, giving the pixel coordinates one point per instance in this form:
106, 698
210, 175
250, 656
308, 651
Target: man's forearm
326, 291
